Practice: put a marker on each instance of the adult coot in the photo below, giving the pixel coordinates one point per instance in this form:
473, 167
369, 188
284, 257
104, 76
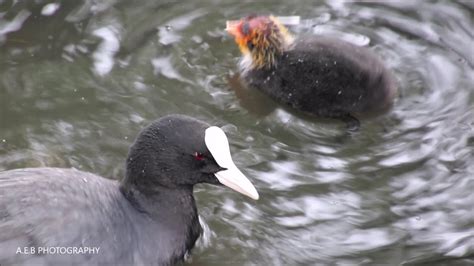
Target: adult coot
65, 216
318, 75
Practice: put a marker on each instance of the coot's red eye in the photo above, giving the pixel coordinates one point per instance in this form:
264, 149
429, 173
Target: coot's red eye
198, 156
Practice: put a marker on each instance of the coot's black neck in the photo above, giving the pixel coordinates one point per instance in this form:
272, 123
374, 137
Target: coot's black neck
170, 208
154, 198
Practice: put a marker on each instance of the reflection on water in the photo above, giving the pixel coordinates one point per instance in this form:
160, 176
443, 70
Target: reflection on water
78, 79
104, 55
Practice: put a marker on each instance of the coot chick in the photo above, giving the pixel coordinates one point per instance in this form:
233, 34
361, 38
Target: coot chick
319, 75
149, 218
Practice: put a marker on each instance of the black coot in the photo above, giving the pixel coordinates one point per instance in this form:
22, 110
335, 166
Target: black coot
318, 75
57, 216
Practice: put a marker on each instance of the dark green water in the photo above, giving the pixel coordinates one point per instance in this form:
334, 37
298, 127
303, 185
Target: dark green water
78, 82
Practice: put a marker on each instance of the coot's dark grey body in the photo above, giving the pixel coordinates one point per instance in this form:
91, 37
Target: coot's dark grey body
326, 77
88, 211
149, 218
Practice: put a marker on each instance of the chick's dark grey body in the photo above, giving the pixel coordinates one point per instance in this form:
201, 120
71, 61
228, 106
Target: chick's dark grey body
90, 211
326, 77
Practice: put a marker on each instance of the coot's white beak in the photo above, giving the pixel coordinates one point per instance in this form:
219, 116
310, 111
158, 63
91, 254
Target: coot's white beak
217, 143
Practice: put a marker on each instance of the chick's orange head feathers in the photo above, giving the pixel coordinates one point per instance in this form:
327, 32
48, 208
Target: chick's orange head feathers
254, 31
247, 29
260, 38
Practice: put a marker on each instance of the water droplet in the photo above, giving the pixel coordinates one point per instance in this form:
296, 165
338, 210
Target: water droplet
82, 98
417, 218
125, 137
4, 140
168, 27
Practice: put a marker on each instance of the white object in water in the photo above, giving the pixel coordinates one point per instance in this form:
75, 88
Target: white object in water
285, 20
49, 9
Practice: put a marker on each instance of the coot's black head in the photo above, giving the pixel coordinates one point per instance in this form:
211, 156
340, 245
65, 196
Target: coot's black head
177, 151
260, 39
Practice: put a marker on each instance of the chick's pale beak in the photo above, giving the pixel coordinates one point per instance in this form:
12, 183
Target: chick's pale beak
232, 27
217, 143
